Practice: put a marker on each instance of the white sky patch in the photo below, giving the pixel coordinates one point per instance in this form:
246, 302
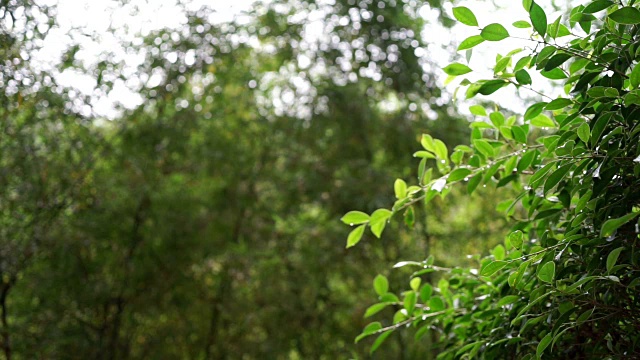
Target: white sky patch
135, 19
140, 17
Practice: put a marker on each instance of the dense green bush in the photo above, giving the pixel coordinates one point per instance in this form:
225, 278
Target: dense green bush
565, 282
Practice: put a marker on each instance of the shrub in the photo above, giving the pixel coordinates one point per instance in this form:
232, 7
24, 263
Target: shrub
565, 283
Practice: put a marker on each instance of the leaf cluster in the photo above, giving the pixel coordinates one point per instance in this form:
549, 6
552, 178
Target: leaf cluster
564, 284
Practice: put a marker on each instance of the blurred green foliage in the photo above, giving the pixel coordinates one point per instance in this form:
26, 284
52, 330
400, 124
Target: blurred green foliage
204, 224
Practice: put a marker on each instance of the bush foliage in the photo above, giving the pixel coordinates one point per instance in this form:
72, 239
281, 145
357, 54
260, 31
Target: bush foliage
565, 282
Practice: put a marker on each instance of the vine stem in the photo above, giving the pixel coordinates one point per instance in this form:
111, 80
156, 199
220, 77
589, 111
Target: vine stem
410, 320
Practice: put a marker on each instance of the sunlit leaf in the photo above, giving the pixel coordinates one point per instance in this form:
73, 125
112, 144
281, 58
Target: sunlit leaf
521, 24
465, 16
456, 69
355, 235
494, 32
381, 285
470, 42
355, 218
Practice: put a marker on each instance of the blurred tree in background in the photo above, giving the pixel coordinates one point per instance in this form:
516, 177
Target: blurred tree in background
204, 223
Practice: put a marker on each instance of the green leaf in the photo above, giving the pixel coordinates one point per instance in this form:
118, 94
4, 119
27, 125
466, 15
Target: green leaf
540, 174
457, 157
612, 258
381, 285
597, 6
494, 32
410, 299
465, 16
546, 52
415, 283
521, 24
627, 15
584, 132
441, 150
526, 160
483, 147
529, 306
516, 239
523, 77
425, 292
379, 220
501, 65
473, 183
598, 128
481, 125
427, 143
355, 235
436, 304
634, 77
556, 60
470, 42
492, 267
423, 154
497, 119
506, 132
612, 225
389, 297
422, 332
557, 104
556, 177
464, 349
380, 340
499, 252
538, 18
554, 28
555, 74
368, 330
543, 121
400, 188
547, 272
478, 110
509, 299
374, 309
519, 134
492, 86
534, 110
522, 63
544, 343
458, 174
409, 217
355, 218
456, 69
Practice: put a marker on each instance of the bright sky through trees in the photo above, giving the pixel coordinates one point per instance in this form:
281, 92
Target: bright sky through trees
87, 23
